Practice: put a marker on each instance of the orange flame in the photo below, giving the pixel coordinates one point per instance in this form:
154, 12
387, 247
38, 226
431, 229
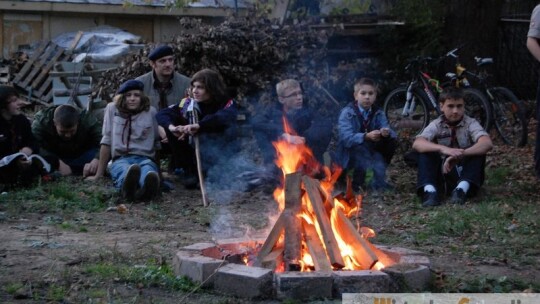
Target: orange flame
292, 158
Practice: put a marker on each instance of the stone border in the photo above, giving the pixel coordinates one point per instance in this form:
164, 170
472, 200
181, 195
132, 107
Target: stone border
410, 273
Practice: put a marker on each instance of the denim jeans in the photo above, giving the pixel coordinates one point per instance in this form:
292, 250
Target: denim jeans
430, 172
120, 166
375, 156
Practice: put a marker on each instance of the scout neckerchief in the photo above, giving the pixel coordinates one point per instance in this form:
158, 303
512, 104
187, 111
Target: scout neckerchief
453, 131
163, 88
184, 104
364, 122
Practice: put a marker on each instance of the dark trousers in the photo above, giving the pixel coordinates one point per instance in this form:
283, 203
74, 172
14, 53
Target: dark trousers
375, 156
430, 173
537, 140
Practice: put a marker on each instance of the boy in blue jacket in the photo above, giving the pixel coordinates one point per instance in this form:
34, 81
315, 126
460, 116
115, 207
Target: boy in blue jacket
365, 138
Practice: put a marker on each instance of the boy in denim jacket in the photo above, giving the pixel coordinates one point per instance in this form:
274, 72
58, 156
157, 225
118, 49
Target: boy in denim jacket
365, 138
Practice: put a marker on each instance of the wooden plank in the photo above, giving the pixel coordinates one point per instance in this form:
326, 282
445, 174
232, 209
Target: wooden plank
273, 259
46, 87
37, 67
28, 65
293, 223
361, 250
66, 93
330, 242
94, 73
46, 69
272, 238
316, 249
76, 40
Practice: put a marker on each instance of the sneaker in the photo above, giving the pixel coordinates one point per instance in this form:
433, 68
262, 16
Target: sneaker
430, 199
458, 197
131, 182
151, 186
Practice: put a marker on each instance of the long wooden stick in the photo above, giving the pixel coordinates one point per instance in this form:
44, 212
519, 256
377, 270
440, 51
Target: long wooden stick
195, 119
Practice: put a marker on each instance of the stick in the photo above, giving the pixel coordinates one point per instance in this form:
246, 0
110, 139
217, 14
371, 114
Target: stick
194, 120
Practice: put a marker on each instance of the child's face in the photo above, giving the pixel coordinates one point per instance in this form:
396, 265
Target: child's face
199, 92
133, 99
292, 98
14, 106
365, 96
453, 109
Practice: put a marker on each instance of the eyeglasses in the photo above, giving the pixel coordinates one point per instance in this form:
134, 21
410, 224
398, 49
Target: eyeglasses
295, 94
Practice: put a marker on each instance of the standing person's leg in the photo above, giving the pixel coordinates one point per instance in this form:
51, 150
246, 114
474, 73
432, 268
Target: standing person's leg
537, 140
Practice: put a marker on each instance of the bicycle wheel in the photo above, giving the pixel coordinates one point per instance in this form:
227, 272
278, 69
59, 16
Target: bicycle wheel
509, 116
477, 106
407, 118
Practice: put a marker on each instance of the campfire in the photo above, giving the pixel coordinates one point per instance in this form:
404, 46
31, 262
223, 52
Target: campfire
313, 251
313, 231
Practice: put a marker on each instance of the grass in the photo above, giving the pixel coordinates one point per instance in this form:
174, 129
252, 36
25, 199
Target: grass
147, 275
501, 226
65, 197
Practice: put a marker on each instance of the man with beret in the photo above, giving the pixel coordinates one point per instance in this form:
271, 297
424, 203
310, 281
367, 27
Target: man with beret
68, 138
164, 86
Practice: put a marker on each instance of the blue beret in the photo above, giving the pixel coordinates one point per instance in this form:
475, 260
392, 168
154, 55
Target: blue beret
130, 85
160, 51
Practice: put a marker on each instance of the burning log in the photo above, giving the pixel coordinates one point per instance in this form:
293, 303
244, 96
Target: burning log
330, 242
273, 259
272, 238
316, 249
293, 224
362, 253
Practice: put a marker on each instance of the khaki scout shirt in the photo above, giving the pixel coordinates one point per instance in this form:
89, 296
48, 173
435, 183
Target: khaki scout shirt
468, 131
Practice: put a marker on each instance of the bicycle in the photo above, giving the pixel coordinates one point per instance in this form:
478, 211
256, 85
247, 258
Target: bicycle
506, 110
410, 107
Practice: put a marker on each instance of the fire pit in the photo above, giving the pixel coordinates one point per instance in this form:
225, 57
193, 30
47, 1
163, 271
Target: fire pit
314, 249
221, 266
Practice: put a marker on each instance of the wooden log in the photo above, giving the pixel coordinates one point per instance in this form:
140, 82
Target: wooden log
361, 249
273, 259
316, 249
272, 238
330, 243
293, 224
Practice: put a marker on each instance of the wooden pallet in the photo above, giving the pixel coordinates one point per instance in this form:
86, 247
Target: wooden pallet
34, 75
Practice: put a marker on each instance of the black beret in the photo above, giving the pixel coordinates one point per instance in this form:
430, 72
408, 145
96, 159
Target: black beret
6, 92
160, 51
130, 85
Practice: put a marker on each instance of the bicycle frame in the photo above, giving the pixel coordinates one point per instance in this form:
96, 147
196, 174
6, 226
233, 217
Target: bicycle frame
425, 82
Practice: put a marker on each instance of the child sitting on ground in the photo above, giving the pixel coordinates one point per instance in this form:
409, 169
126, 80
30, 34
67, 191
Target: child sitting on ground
131, 138
365, 138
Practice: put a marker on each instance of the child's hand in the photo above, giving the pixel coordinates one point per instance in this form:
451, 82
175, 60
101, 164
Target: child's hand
374, 135
385, 132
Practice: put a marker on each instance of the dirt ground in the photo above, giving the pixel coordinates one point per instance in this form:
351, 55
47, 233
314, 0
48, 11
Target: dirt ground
34, 251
